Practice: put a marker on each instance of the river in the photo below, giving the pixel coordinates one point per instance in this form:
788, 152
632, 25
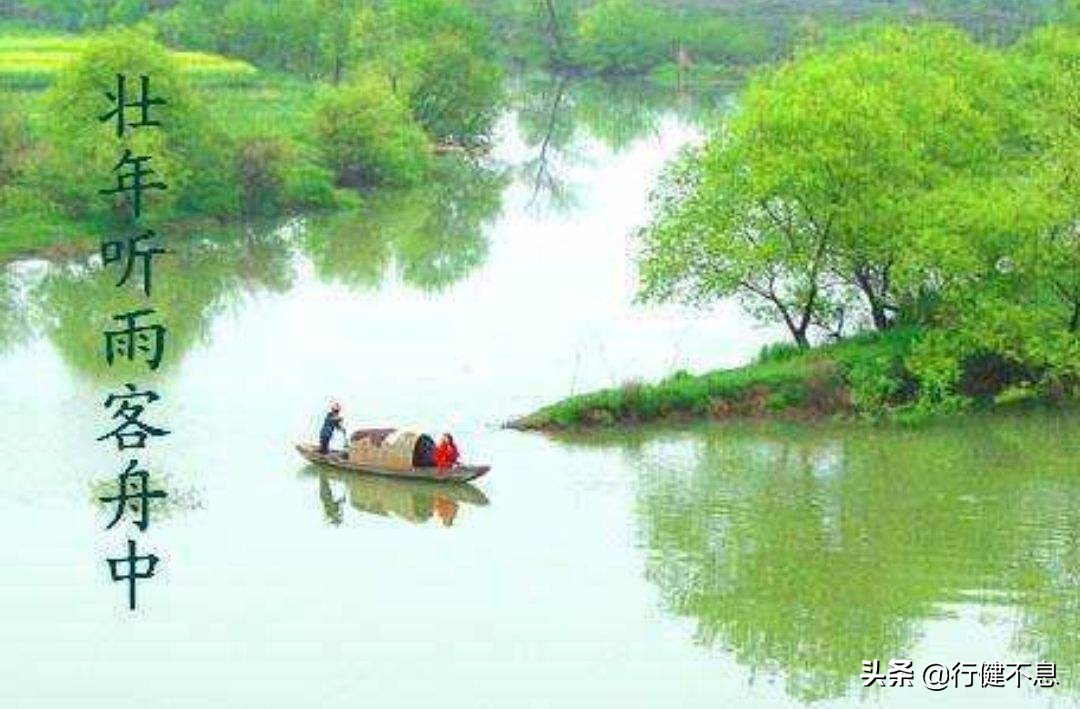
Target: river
743, 565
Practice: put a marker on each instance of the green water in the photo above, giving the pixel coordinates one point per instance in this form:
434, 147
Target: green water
710, 566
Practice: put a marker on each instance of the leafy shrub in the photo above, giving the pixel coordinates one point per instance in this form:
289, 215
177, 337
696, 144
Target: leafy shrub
274, 175
622, 37
873, 383
260, 164
455, 94
367, 135
78, 152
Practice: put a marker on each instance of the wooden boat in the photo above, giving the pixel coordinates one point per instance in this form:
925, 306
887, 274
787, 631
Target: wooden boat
392, 453
340, 459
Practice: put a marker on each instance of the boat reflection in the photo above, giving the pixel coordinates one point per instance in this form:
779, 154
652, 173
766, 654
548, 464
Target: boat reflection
415, 501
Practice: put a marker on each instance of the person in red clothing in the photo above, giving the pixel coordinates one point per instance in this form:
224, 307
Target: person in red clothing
446, 453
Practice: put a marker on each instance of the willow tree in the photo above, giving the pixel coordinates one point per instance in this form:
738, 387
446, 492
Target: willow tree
712, 237
812, 193
1009, 249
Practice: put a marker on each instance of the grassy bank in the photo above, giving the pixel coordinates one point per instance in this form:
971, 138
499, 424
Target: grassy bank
860, 376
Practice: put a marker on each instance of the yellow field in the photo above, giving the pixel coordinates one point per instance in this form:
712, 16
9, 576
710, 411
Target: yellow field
35, 59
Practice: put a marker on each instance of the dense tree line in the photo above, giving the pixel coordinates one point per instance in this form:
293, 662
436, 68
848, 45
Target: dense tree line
315, 38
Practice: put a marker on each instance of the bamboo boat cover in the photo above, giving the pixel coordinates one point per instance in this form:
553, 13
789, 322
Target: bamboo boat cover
393, 449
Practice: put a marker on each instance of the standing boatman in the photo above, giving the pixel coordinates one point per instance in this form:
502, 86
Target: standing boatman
332, 422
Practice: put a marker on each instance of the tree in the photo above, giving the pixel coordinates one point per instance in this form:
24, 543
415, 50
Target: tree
455, 94
820, 185
1007, 250
77, 151
336, 38
622, 37
438, 57
713, 236
367, 135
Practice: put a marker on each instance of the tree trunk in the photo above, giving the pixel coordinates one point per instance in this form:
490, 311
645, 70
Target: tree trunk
878, 309
553, 28
798, 332
879, 316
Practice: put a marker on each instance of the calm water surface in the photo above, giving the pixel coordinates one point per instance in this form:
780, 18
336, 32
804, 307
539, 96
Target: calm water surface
708, 566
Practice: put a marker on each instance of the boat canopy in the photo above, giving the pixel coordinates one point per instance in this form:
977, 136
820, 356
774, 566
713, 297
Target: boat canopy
392, 448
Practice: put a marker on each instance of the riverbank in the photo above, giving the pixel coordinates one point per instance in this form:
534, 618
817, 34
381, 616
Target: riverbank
860, 377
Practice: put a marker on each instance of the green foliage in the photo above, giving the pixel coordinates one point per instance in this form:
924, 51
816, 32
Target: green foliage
14, 139
534, 33
221, 150
268, 179
79, 152
722, 40
438, 55
247, 151
455, 94
425, 20
1010, 261
309, 38
894, 175
865, 375
367, 135
622, 37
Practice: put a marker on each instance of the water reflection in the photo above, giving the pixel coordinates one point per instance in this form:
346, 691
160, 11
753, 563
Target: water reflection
181, 500
427, 238
73, 303
14, 325
557, 116
411, 500
434, 234
803, 553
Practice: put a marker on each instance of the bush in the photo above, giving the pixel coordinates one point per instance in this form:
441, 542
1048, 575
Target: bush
368, 137
260, 164
723, 40
287, 35
455, 94
273, 175
622, 37
14, 140
77, 152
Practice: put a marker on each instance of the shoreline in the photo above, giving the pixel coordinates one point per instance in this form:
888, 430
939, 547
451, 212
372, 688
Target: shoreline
861, 378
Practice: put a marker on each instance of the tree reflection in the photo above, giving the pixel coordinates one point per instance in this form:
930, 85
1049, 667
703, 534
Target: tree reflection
433, 235
557, 117
806, 553
546, 123
74, 302
14, 326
